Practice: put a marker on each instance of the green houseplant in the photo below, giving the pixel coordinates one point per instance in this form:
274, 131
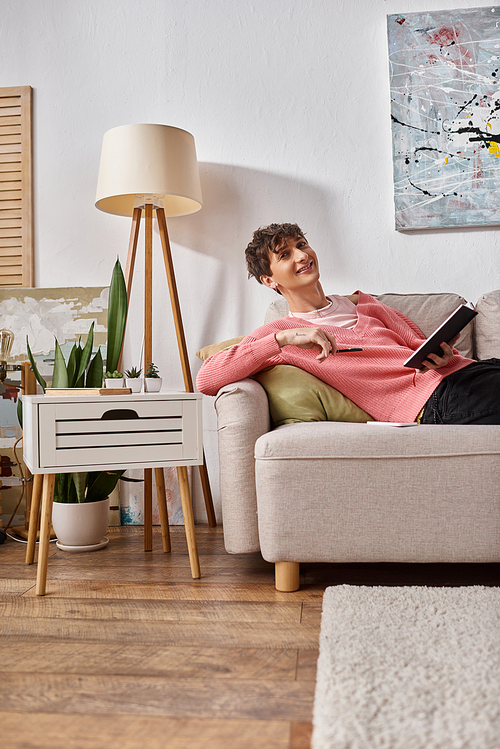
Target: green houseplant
152, 371
113, 379
83, 370
133, 379
133, 373
152, 379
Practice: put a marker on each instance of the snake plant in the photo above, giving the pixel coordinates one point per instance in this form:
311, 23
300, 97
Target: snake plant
83, 370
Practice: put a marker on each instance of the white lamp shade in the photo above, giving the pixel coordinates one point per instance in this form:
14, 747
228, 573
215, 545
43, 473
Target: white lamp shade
139, 160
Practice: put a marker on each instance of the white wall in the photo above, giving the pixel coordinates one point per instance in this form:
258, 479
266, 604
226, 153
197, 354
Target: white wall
288, 102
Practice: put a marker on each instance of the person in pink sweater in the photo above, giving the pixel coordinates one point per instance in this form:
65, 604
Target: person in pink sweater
315, 335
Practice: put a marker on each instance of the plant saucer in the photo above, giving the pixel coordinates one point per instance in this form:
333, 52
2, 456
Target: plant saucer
92, 547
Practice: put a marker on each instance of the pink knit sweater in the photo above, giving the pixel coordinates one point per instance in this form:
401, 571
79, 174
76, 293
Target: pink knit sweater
374, 378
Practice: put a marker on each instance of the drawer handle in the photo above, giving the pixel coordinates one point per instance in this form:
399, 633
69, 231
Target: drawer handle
120, 413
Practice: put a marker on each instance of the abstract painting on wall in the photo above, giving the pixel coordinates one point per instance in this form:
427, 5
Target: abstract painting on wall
445, 112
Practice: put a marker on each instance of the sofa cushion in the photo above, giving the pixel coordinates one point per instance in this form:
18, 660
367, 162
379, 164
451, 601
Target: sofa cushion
276, 310
488, 326
427, 311
207, 351
356, 493
295, 395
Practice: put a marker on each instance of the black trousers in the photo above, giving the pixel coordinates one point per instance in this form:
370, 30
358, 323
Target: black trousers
469, 396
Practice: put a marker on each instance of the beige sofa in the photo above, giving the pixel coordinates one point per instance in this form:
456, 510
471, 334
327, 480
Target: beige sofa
352, 492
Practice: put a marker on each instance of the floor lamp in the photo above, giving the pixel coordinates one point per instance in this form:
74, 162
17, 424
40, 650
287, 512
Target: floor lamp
152, 170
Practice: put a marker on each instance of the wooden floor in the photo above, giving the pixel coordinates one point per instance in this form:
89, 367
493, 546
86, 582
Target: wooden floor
126, 651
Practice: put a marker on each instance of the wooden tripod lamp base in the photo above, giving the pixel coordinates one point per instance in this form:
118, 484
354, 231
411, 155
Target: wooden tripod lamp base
148, 347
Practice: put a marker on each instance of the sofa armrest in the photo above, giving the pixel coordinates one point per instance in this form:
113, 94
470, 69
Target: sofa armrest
242, 417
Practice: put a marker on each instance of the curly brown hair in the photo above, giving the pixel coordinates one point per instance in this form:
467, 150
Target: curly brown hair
265, 240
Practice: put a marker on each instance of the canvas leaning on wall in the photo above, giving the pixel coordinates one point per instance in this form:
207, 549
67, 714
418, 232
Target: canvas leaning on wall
44, 314
41, 314
444, 69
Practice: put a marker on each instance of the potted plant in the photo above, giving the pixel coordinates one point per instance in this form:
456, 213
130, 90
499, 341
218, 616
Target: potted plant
113, 379
152, 379
133, 379
80, 513
81, 500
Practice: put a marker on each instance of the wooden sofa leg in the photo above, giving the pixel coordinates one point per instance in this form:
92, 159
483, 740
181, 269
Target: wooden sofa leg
287, 576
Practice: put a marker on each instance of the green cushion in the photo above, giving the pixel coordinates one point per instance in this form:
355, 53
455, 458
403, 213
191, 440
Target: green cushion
295, 395
214, 348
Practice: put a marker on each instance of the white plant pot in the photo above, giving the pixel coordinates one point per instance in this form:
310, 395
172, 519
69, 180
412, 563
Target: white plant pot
134, 383
111, 382
152, 384
81, 526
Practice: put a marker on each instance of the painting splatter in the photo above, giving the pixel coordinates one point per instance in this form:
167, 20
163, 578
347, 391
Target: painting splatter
445, 112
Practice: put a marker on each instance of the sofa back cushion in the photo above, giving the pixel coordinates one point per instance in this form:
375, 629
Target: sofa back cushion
488, 326
427, 311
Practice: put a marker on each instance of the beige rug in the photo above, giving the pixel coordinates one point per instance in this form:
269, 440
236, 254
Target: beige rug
408, 668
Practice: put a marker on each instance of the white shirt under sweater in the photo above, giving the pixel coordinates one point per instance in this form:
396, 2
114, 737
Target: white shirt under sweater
340, 312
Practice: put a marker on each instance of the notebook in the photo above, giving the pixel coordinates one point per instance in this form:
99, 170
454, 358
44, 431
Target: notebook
445, 332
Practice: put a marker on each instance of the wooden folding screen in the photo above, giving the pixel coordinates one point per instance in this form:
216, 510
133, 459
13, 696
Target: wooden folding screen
16, 238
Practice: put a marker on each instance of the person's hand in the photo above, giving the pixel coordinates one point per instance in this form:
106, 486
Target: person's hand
433, 361
313, 338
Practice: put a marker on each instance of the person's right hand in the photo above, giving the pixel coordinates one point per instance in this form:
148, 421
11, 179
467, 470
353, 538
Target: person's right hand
312, 338
434, 361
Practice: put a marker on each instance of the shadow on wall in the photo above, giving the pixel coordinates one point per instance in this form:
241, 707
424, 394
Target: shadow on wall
236, 202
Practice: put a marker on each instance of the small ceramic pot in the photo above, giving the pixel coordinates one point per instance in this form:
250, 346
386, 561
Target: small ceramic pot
111, 382
152, 384
81, 524
134, 383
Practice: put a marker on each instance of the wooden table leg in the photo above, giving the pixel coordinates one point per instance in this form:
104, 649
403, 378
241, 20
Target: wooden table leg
162, 508
207, 494
187, 511
148, 509
43, 552
34, 517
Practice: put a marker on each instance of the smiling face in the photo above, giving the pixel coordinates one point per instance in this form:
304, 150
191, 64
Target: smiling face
294, 267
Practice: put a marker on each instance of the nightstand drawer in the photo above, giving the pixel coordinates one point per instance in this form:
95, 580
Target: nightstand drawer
104, 410
95, 433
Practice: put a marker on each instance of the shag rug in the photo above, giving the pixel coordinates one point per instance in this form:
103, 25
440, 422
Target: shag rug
408, 668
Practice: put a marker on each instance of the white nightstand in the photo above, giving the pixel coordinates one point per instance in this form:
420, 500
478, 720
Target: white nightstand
69, 433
